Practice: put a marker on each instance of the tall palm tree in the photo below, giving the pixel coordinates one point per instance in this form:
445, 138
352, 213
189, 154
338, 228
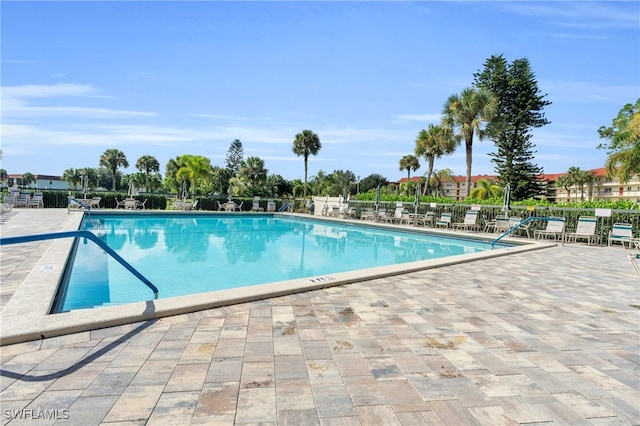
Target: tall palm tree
72, 177
575, 177
305, 144
409, 162
440, 176
433, 143
112, 159
254, 173
467, 115
147, 164
624, 147
193, 168
624, 163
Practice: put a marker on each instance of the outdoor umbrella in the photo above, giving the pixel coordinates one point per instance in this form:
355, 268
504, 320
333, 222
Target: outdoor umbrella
132, 189
417, 202
85, 186
377, 197
506, 202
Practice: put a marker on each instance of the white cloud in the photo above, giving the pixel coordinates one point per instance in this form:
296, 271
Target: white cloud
581, 14
15, 102
563, 91
42, 91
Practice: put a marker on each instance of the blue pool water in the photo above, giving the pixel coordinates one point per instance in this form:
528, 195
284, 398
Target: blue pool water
188, 254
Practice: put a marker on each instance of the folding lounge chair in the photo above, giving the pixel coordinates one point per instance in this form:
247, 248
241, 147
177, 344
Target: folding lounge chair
368, 214
586, 229
36, 201
445, 220
515, 221
397, 214
502, 224
425, 219
555, 229
470, 221
255, 207
622, 233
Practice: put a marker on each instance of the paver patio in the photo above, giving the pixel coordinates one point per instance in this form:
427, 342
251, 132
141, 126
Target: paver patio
550, 336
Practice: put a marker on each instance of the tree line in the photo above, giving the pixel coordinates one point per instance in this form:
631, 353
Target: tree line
189, 175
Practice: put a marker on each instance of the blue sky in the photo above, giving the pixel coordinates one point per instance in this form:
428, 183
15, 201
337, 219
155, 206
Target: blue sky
173, 78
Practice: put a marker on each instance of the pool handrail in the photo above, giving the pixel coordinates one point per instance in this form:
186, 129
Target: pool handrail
81, 234
527, 220
75, 200
286, 206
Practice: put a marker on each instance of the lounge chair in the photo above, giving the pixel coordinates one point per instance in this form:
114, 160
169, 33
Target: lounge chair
515, 221
130, 204
445, 220
221, 207
397, 214
349, 213
555, 229
36, 201
119, 203
501, 224
586, 229
188, 205
621, 233
470, 221
405, 218
426, 219
22, 200
368, 214
95, 202
256, 205
381, 215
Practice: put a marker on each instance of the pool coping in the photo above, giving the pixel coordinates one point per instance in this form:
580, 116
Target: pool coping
25, 317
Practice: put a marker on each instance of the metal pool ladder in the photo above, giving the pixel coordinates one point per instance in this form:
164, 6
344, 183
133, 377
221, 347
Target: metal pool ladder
527, 220
81, 234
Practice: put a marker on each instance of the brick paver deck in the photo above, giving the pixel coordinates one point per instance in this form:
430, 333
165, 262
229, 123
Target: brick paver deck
544, 337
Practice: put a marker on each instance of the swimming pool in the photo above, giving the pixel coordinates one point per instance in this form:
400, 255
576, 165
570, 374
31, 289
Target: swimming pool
194, 253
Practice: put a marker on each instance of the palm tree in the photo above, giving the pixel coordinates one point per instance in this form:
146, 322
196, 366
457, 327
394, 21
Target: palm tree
72, 177
624, 147
27, 178
409, 162
193, 168
486, 189
433, 143
465, 115
254, 174
565, 182
440, 176
147, 164
575, 177
305, 144
624, 163
112, 159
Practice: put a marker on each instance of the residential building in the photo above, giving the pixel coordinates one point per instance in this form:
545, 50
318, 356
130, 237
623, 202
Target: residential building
42, 182
602, 188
